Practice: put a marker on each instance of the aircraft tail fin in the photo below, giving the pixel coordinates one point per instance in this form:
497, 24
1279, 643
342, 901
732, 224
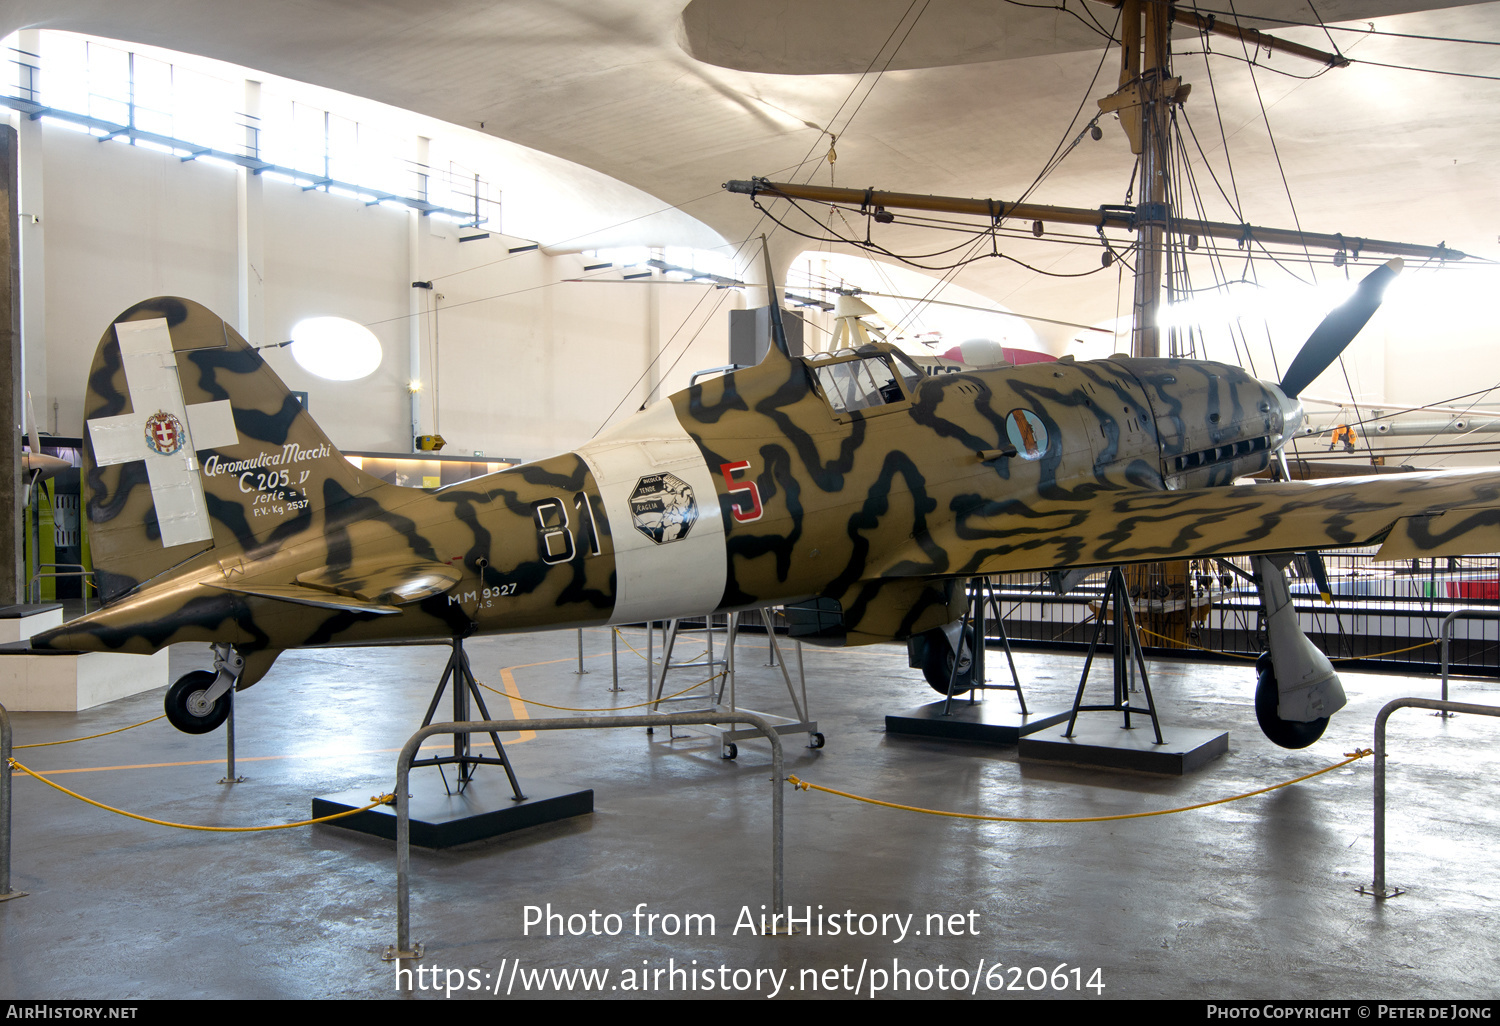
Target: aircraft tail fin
192, 442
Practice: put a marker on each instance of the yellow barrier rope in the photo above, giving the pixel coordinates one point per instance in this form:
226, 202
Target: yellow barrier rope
1332, 659
384, 799
1381, 655
627, 643
632, 648
803, 785
49, 744
1200, 648
617, 708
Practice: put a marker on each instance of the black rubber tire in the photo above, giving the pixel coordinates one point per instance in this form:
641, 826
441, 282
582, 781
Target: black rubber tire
937, 666
176, 704
731, 751
816, 740
1286, 733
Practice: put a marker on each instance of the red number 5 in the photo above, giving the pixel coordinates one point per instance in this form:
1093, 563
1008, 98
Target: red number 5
741, 515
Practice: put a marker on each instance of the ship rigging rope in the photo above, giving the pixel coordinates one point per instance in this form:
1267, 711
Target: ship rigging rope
833, 237
384, 799
878, 75
1275, 151
1356, 31
803, 785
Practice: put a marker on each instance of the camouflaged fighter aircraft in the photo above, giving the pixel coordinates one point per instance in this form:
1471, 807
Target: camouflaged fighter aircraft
219, 512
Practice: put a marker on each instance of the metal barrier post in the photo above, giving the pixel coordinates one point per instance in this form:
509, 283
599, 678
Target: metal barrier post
580, 671
5, 892
230, 776
1445, 632
403, 948
1378, 888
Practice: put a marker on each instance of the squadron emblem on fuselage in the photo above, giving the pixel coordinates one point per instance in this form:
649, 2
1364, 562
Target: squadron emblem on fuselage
1027, 433
663, 507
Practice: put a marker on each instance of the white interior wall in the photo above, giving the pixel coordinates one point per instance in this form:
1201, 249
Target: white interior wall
529, 364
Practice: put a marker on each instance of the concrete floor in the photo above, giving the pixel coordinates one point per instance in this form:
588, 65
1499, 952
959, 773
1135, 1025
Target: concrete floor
1254, 899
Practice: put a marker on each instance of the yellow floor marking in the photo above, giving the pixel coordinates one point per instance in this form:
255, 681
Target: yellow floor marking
517, 707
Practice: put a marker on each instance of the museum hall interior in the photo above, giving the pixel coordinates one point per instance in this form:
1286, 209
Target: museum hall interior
677, 498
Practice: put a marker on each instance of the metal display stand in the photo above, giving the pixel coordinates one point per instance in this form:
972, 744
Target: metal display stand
1100, 744
469, 809
973, 720
975, 620
1127, 656
465, 687
719, 694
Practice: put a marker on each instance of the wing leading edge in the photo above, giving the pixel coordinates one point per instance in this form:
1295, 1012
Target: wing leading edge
1418, 515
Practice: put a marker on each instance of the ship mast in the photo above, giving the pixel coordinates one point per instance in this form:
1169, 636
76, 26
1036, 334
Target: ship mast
1143, 101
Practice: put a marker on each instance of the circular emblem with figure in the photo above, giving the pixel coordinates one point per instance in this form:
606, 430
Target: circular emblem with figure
164, 434
663, 507
1027, 433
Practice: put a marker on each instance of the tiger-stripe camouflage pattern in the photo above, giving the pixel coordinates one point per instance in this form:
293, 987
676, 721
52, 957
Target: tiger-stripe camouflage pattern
220, 512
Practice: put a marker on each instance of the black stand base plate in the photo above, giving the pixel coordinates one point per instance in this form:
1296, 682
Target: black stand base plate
487, 808
1102, 741
996, 723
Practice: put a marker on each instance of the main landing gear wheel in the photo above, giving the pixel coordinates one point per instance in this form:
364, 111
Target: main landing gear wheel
937, 667
185, 706
1286, 733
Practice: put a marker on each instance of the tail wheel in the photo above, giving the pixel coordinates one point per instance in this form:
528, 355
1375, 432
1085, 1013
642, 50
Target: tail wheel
937, 667
1286, 733
187, 709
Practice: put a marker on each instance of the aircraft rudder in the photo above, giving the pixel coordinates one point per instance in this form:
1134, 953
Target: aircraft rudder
192, 441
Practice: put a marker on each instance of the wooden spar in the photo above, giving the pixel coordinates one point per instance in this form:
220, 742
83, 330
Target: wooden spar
1259, 39
1246, 35
1122, 217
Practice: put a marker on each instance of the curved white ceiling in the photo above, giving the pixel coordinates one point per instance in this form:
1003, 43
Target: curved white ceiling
609, 84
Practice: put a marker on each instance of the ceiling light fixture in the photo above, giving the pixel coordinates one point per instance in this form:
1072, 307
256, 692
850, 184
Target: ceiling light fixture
335, 348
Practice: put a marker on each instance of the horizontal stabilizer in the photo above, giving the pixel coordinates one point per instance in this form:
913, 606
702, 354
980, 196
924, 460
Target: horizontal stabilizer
301, 596
374, 581
368, 587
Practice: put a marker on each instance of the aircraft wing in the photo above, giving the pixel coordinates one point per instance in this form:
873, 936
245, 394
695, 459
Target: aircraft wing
1441, 513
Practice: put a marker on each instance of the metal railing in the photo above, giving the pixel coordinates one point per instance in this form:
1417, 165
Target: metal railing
1444, 634
1378, 889
84, 574
403, 947
5, 892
